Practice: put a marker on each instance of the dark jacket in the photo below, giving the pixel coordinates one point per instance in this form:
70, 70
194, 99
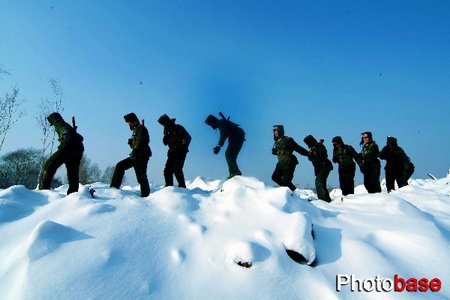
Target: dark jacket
284, 147
228, 130
67, 136
139, 142
176, 137
396, 158
345, 156
317, 154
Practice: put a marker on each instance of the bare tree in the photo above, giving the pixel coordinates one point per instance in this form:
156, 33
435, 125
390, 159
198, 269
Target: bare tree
10, 113
89, 171
47, 107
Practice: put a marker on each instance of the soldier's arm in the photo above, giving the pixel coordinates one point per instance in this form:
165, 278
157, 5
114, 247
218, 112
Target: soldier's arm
355, 155
335, 159
383, 153
297, 148
224, 133
186, 137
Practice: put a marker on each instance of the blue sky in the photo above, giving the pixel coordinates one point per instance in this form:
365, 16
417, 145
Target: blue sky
324, 68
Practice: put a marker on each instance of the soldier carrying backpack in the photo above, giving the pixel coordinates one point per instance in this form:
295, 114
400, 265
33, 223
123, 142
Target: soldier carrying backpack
236, 137
70, 151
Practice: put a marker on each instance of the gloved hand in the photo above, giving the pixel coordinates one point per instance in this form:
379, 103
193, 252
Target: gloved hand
274, 151
165, 140
130, 141
216, 149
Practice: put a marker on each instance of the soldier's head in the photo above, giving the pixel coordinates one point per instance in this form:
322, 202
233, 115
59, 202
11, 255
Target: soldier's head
278, 131
53, 117
131, 119
337, 141
310, 141
165, 121
212, 121
391, 142
366, 137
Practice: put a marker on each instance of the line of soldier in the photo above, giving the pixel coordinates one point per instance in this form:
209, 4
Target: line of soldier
399, 167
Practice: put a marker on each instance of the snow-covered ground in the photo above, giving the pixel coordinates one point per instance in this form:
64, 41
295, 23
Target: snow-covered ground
221, 240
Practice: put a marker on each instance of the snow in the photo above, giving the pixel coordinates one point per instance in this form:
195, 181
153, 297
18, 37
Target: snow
220, 240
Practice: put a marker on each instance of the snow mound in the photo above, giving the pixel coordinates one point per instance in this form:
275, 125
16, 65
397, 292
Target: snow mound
233, 239
48, 236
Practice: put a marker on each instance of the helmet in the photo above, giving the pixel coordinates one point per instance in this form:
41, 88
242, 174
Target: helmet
164, 120
280, 129
131, 117
212, 121
338, 140
310, 141
53, 117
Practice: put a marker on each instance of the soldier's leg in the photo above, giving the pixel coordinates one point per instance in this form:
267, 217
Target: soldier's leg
347, 180
376, 179
321, 184
288, 175
231, 154
180, 158
343, 181
119, 171
73, 172
277, 175
390, 180
140, 167
351, 179
169, 168
49, 169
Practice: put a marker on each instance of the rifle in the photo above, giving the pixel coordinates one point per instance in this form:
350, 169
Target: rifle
74, 124
223, 117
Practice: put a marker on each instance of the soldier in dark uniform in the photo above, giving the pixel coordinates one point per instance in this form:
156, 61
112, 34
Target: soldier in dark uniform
70, 151
283, 148
236, 137
345, 156
370, 165
322, 166
398, 165
177, 139
138, 158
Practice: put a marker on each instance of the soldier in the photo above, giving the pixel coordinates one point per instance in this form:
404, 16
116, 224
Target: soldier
398, 165
370, 165
70, 151
236, 137
177, 139
345, 156
322, 166
138, 158
283, 148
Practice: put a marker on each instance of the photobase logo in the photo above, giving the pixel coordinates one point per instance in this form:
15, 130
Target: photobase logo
398, 284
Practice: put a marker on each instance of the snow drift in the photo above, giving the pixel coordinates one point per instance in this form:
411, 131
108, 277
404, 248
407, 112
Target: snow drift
237, 239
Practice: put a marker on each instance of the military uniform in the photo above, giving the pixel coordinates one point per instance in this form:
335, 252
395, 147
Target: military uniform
398, 164
345, 156
139, 156
322, 166
283, 148
177, 139
236, 137
370, 165
70, 151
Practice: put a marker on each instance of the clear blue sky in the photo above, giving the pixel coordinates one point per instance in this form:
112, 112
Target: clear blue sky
324, 68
